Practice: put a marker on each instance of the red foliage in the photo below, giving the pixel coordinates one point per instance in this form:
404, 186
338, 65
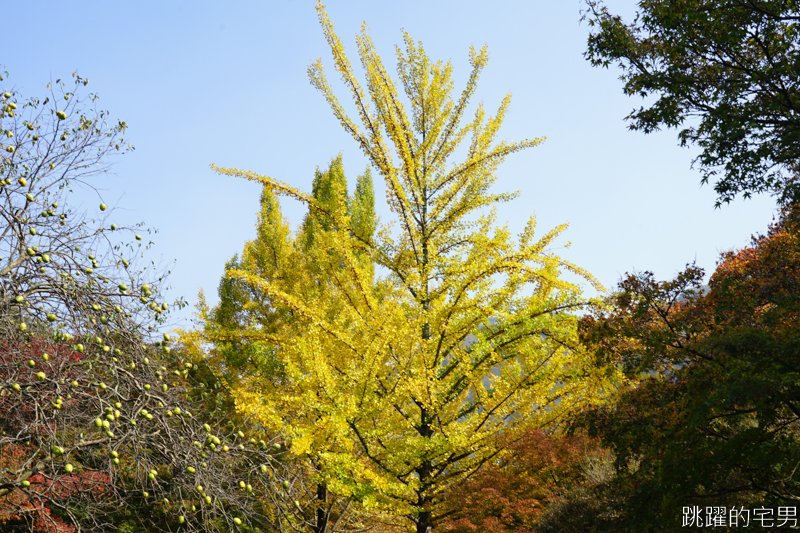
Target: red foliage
511, 495
23, 417
20, 413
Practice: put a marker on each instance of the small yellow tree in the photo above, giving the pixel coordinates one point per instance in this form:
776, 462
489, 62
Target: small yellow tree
406, 387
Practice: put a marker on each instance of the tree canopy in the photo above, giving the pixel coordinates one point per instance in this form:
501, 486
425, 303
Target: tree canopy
382, 387
713, 416
724, 72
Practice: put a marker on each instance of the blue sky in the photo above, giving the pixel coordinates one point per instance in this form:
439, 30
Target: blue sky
225, 83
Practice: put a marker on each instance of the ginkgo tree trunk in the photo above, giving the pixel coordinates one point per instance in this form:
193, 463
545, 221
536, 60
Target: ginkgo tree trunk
405, 388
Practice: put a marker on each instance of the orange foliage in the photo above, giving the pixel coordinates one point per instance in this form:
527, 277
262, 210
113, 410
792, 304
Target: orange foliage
512, 494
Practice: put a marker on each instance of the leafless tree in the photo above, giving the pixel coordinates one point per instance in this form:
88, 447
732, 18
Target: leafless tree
98, 430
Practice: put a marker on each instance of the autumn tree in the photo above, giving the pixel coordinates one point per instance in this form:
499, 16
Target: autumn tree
519, 493
713, 419
384, 394
232, 331
723, 72
275, 253
97, 431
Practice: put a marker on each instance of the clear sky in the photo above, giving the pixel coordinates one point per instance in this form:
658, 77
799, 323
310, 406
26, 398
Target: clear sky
202, 82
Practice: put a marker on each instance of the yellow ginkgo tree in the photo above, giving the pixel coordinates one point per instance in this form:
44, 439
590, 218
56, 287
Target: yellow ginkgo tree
403, 379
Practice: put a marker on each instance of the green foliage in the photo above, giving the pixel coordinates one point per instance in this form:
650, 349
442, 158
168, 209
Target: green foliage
714, 417
732, 65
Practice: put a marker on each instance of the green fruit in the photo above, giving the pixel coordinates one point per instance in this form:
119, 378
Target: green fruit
29, 126
41, 376
103, 207
98, 422
138, 237
285, 483
164, 387
61, 115
106, 424
190, 469
241, 435
207, 427
123, 287
103, 386
263, 469
58, 450
22, 181
7, 95
16, 387
68, 468
23, 326
79, 347
146, 386
237, 521
242, 484
26, 483
177, 410
199, 488
115, 460
31, 363
114, 454
30, 251
51, 317
181, 519
113, 226
145, 494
